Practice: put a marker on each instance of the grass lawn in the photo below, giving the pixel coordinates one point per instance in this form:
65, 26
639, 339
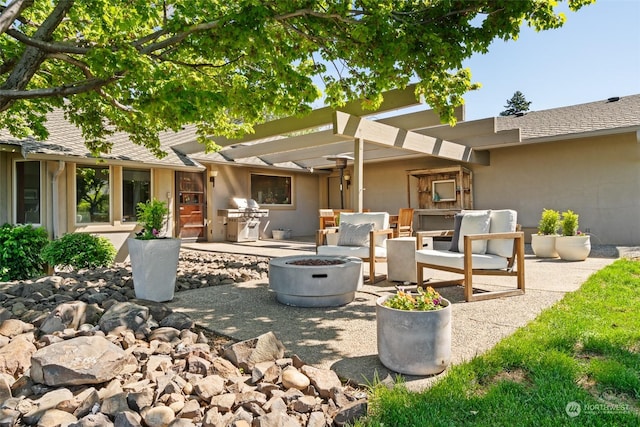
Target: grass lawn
577, 364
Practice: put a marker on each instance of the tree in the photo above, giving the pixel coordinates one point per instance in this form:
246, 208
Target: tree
517, 104
143, 67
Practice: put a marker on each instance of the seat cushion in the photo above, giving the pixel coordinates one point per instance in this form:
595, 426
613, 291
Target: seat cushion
357, 251
474, 222
354, 234
502, 221
456, 259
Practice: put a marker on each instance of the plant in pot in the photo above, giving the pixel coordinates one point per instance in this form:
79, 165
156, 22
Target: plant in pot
154, 258
414, 332
573, 245
543, 244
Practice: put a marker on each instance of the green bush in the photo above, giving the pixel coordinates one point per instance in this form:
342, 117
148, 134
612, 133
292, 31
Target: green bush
80, 250
549, 222
569, 223
152, 216
20, 251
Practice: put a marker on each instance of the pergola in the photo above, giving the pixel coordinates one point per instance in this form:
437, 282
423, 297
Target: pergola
310, 142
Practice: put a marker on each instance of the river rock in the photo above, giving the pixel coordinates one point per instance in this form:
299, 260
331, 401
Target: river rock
82, 360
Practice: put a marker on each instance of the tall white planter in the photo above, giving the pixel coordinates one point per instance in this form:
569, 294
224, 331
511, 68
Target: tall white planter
414, 342
154, 264
573, 248
544, 246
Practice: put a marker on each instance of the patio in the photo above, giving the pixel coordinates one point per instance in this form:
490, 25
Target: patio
344, 338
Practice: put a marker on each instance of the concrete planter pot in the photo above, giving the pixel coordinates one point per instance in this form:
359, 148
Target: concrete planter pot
154, 264
281, 234
414, 342
544, 246
573, 248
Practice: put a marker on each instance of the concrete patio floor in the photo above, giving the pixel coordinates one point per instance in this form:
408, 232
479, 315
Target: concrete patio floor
344, 338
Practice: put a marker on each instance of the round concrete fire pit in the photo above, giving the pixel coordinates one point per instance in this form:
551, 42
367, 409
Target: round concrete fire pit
315, 280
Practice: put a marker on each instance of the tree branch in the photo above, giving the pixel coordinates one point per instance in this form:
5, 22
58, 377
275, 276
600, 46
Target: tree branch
32, 57
65, 90
90, 77
11, 12
47, 46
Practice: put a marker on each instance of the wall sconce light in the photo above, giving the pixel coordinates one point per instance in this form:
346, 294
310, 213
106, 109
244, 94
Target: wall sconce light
347, 179
212, 177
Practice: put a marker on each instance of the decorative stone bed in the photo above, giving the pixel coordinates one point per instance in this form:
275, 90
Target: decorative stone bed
315, 280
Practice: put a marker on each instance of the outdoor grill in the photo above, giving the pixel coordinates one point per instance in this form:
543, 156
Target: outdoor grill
243, 220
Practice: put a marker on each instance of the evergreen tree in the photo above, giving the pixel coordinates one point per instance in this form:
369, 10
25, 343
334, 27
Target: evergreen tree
517, 104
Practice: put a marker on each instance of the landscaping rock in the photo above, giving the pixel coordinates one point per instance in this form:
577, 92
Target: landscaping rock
78, 349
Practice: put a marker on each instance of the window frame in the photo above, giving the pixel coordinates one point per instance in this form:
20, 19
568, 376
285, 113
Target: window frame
75, 195
291, 203
122, 214
39, 196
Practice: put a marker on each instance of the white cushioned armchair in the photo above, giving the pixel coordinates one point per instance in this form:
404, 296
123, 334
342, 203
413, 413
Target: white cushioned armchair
483, 243
353, 238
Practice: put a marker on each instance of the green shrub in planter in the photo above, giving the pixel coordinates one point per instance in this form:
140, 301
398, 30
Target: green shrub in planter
20, 251
80, 250
569, 223
549, 222
152, 216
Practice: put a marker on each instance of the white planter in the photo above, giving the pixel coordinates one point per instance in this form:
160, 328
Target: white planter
414, 342
279, 234
573, 248
544, 246
154, 264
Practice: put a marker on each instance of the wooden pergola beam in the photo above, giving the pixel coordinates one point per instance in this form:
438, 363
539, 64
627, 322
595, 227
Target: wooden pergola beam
348, 125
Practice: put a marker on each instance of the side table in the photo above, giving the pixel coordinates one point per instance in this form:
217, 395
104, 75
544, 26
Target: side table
401, 259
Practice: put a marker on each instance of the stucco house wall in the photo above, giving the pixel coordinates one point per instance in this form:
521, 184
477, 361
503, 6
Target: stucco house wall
597, 177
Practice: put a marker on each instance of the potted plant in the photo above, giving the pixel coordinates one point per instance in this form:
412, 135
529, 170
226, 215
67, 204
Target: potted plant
573, 245
154, 258
543, 244
414, 332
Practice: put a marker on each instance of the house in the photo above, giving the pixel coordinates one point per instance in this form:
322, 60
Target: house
583, 157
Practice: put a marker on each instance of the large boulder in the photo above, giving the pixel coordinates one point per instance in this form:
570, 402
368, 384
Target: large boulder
81, 360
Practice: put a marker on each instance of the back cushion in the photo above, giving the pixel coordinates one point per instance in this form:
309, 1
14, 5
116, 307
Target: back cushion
474, 222
502, 221
380, 221
457, 222
354, 234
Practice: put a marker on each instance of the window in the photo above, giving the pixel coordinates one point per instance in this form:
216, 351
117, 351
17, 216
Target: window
92, 194
136, 188
271, 189
28, 192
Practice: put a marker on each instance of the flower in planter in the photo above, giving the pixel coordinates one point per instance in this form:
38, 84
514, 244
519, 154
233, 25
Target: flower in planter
425, 300
151, 215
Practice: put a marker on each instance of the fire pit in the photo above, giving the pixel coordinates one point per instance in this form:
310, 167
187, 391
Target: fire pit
315, 280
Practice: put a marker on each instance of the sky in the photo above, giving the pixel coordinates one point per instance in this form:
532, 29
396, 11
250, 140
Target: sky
595, 55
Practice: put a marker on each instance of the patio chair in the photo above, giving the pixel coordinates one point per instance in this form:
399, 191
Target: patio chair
327, 218
362, 234
483, 243
402, 225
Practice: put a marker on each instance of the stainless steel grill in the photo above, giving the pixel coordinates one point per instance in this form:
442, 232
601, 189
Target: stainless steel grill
243, 220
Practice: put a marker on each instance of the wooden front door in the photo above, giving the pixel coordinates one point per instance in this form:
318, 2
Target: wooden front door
191, 205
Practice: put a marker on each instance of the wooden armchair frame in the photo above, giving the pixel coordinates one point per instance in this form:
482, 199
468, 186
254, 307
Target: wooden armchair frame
468, 271
321, 239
